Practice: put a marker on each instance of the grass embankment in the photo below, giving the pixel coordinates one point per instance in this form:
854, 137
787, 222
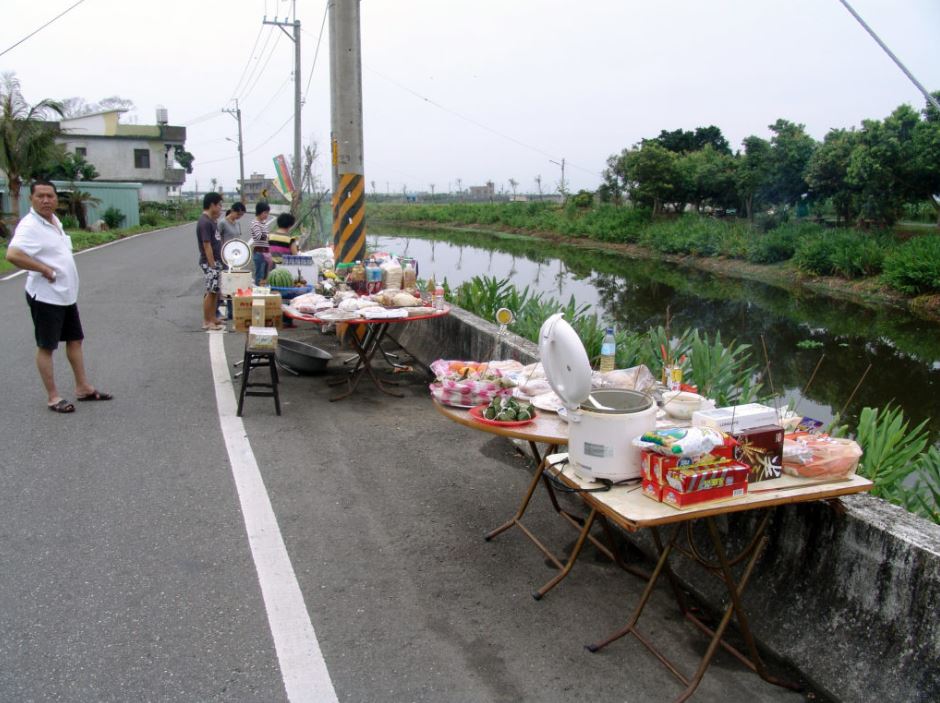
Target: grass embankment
153, 216
868, 266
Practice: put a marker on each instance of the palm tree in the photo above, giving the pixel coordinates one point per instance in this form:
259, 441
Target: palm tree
26, 139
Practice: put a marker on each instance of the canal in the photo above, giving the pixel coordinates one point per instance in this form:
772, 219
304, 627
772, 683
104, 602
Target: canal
797, 327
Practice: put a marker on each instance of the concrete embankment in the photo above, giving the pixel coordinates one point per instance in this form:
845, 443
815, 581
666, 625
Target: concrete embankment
846, 592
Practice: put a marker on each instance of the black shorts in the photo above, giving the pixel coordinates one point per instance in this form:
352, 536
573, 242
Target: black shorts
55, 323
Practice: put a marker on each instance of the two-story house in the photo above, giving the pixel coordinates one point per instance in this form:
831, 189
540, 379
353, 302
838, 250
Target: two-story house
129, 153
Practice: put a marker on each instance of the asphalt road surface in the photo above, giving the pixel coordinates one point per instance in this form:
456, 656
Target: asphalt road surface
155, 548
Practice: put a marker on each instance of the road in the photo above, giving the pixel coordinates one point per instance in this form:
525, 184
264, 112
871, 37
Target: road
139, 539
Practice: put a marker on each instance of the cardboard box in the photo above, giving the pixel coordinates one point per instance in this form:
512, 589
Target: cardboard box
761, 448
262, 338
655, 466
736, 418
653, 490
678, 499
241, 311
703, 478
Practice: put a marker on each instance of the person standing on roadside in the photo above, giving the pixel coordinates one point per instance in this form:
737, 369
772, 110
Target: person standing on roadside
41, 247
229, 227
209, 242
259, 242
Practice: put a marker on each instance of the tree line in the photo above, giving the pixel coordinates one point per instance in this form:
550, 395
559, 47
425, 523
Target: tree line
865, 175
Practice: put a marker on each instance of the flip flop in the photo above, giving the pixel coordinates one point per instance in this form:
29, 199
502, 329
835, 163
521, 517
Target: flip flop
94, 395
214, 327
63, 406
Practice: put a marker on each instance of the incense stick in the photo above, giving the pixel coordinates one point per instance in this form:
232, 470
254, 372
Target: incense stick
806, 387
770, 378
854, 391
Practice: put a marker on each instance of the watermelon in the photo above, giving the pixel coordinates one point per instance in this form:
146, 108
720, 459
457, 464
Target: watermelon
280, 278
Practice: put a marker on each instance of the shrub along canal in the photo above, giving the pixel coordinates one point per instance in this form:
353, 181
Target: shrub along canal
798, 327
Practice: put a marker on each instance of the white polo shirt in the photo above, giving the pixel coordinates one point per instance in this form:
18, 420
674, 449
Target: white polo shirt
48, 243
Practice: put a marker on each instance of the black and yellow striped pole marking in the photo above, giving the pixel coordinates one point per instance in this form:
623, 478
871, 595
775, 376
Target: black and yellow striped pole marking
349, 226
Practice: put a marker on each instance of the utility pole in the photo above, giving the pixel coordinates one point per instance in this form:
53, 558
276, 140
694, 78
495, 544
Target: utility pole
237, 114
349, 201
562, 188
295, 175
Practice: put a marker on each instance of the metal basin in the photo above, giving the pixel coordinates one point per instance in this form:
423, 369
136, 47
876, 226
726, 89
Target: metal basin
301, 357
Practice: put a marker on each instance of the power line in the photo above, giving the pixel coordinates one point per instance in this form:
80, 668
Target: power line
476, 123
248, 62
64, 12
251, 73
316, 51
263, 68
271, 101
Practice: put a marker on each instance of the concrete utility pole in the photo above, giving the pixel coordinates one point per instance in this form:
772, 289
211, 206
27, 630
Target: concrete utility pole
237, 114
295, 171
349, 195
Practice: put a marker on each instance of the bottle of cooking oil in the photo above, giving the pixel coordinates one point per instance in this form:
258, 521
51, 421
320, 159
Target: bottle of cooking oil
608, 351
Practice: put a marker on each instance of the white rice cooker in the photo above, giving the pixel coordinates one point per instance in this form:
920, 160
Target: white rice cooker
602, 424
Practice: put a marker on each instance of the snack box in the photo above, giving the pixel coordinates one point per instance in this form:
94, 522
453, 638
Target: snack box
736, 418
653, 490
655, 466
703, 478
262, 338
761, 448
242, 307
678, 499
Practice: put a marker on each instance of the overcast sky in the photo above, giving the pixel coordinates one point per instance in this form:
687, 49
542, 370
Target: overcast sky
482, 90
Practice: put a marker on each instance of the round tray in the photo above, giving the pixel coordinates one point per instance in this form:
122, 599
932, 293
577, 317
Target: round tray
292, 292
477, 414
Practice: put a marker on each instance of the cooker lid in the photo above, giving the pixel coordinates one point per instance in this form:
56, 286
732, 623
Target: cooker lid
617, 402
565, 361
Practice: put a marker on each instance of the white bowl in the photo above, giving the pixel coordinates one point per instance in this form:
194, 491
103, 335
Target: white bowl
681, 404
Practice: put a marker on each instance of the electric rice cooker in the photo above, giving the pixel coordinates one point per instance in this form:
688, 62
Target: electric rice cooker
601, 424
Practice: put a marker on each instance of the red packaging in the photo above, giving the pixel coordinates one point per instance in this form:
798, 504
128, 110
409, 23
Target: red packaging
678, 499
653, 490
761, 448
655, 466
702, 478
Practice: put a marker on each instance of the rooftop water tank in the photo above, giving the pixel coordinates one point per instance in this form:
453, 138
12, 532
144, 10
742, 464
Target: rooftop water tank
162, 115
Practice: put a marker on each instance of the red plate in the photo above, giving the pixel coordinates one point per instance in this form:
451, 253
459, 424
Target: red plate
477, 414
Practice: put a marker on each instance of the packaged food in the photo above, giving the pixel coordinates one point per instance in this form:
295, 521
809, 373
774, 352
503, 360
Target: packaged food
682, 441
820, 456
761, 448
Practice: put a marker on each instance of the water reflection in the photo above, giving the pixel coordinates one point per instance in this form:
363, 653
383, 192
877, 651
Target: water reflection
634, 294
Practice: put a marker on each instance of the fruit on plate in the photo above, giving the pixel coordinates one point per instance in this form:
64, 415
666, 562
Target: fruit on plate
507, 409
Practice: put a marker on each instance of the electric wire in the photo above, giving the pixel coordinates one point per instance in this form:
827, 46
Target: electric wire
263, 68
476, 122
316, 52
248, 62
254, 68
269, 103
36, 31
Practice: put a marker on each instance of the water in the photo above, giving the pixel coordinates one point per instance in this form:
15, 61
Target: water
903, 350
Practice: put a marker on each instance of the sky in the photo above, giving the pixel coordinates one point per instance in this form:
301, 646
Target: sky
489, 90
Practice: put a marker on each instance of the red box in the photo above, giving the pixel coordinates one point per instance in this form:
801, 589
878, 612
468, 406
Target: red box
761, 448
691, 479
678, 499
655, 466
653, 490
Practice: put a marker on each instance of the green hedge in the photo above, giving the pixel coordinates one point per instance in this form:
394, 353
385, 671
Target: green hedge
914, 267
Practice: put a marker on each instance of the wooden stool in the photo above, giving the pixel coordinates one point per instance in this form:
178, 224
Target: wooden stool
255, 359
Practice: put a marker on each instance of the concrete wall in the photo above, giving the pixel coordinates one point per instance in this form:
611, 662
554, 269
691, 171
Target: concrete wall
848, 594
123, 196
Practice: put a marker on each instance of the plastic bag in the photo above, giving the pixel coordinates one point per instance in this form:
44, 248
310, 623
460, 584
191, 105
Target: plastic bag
820, 456
681, 441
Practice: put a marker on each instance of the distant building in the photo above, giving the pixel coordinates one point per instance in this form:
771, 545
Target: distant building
483, 192
129, 153
258, 187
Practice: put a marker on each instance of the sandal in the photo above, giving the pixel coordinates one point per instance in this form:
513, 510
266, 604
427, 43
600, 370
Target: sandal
94, 395
63, 406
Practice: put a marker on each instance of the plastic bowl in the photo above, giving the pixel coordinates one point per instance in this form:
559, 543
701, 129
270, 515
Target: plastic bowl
681, 404
302, 357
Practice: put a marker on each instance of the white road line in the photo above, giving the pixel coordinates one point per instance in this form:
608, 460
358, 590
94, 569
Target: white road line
302, 667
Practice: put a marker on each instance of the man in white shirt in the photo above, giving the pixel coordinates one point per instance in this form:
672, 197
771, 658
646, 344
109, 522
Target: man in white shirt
41, 247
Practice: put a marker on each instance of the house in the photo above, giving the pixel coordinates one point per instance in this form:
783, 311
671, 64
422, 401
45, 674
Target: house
485, 192
129, 153
258, 187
